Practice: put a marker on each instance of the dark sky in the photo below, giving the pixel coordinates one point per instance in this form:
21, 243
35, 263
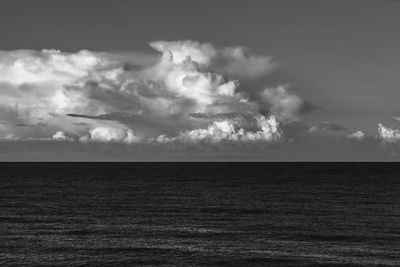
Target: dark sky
342, 56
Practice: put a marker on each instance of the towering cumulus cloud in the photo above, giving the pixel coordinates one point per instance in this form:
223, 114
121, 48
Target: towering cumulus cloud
184, 92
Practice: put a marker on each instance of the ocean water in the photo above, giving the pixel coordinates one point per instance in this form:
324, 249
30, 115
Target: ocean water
199, 214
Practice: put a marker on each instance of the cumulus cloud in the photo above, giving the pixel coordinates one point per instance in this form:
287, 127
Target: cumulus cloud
61, 136
32, 88
108, 134
185, 88
388, 135
179, 51
237, 62
267, 129
358, 135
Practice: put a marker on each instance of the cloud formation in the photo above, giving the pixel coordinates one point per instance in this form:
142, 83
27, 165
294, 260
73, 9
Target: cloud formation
326, 126
358, 135
185, 90
267, 129
108, 134
388, 135
61, 136
234, 62
285, 104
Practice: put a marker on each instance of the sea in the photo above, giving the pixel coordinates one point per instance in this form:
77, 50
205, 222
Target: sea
199, 214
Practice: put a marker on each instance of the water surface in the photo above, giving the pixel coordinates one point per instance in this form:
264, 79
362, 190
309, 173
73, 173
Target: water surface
200, 214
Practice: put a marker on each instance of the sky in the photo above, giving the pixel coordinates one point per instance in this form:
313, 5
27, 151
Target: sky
276, 80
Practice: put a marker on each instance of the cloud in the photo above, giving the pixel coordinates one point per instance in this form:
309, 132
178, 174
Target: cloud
61, 136
396, 118
358, 135
326, 126
183, 88
108, 134
284, 104
178, 51
32, 88
388, 135
234, 62
267, 129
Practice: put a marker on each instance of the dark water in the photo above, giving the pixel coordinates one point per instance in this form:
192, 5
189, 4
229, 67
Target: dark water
199, 214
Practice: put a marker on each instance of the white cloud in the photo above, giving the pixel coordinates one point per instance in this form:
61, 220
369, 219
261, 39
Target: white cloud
61, 136
237, 62
36, 67
116, 92
388, 135
186, 80
228, 130
109, 134
358, 135
178, 51
32, 85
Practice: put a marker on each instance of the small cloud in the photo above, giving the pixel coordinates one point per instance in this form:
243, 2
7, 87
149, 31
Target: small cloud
61, 136
110, 135
358, 135
396, 118
326, 126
